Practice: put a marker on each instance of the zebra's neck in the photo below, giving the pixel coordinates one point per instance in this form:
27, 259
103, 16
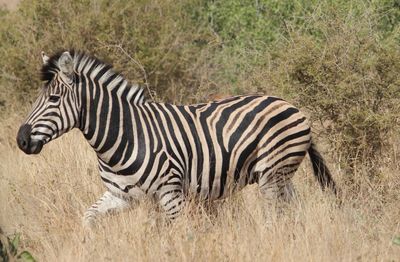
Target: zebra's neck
105, 97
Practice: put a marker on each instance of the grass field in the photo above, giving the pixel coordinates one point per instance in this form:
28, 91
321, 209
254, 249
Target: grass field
43, 197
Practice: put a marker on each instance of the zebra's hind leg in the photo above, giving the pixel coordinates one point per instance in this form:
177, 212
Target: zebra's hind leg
171, 199
107, 203
278, 191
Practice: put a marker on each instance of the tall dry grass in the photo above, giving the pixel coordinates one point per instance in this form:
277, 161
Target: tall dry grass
43, 197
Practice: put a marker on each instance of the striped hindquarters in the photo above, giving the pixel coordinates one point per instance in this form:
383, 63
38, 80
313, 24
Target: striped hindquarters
224, 145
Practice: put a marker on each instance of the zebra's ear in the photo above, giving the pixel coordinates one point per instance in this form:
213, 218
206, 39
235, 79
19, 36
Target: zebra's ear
45, 58
66, 63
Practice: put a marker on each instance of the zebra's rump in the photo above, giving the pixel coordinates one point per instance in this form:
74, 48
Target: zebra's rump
230, 142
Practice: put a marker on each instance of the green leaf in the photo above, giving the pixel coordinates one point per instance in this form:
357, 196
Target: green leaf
26, 256
396, 240
15, 241
14, 244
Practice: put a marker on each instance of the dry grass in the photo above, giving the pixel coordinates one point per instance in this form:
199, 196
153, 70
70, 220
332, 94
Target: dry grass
43, 198
9, 4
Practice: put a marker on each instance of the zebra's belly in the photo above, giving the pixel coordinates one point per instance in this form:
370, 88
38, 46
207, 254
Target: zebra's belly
122, 185
218, 185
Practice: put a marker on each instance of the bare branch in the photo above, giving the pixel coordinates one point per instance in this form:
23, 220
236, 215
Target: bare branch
136, 62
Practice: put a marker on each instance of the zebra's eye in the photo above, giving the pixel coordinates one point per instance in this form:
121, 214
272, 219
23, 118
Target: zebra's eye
54, 99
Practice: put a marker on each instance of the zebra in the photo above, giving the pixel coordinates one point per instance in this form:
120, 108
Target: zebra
165, 151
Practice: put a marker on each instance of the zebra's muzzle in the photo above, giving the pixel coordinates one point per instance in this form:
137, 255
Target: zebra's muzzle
25, 143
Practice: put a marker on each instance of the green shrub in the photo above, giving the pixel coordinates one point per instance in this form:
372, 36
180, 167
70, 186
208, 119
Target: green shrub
151, 42
349, 80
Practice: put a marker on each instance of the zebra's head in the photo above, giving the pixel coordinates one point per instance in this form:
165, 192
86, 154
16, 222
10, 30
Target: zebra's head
56, 109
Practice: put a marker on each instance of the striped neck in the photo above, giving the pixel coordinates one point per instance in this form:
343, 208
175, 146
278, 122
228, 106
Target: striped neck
102, 95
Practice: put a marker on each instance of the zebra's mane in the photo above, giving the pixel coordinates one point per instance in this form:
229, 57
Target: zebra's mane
88, 64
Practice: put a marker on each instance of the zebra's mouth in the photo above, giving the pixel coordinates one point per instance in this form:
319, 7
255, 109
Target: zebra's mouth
34, 147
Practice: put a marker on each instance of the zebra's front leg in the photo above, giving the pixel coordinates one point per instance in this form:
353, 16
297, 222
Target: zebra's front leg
107, 203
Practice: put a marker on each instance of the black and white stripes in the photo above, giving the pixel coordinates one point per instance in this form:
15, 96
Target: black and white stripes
169, 151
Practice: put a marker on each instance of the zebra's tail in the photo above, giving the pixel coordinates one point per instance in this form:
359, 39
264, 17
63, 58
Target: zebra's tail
321, 171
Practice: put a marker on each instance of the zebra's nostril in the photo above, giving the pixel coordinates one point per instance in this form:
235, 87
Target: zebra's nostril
23, 143
23, 137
